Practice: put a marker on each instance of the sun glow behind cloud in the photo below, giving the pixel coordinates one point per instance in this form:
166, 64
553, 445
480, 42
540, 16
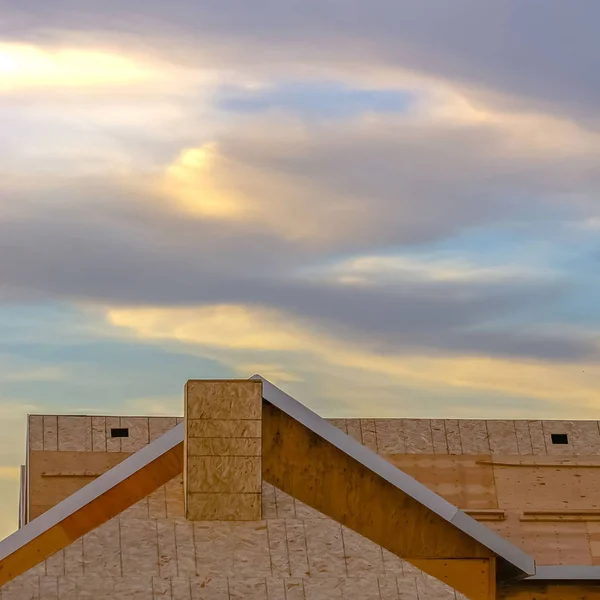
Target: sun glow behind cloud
27, 66
192, 181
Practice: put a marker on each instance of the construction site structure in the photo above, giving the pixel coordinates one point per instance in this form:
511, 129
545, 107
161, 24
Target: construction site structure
253, 496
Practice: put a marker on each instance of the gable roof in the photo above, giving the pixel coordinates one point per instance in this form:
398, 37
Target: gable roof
94, 504
161, 460
520, 563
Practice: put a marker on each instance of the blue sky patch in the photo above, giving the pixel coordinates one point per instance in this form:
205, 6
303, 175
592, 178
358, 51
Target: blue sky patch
326, 100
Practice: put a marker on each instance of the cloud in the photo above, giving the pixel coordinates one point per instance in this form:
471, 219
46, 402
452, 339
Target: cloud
234, 331
30, 66
469, 44
253, 218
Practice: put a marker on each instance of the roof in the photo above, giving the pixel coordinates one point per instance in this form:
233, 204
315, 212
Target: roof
57, 527
506, 551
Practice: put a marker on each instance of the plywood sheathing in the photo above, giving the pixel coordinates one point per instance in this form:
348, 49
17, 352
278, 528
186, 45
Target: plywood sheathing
50, 541
317, 473
281, 556
459, 479
223, 450
288, 507
54, 475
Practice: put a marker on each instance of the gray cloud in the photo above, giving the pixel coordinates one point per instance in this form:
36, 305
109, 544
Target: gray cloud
536, 54
358, 188
117, 257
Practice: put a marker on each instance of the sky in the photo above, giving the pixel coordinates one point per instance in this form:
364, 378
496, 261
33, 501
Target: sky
389, 209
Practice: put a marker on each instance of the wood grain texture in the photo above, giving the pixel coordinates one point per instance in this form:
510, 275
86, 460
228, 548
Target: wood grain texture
464, 480
476, 578
340, 487
100, 510
222, 466
55, 475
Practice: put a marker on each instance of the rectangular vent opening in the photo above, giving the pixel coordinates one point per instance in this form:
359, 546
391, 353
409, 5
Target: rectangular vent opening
119, 432
559, 438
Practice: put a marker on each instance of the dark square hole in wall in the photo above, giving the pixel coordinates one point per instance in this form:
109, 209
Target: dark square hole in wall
559, 438
119, 432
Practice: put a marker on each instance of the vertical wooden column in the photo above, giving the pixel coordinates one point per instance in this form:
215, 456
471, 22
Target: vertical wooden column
222, 450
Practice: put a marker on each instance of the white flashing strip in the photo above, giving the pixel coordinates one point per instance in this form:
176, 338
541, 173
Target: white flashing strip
562, 573
422, 494
92, 491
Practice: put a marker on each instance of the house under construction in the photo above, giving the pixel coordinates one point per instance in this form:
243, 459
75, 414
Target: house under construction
253, 496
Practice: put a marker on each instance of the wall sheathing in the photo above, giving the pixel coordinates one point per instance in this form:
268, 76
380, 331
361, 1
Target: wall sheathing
508, 473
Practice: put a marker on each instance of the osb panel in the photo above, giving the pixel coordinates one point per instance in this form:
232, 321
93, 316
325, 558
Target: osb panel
160, 425
462, 480
438, 435
536, 434
278, 550
55, 564
139, 546
417, 436
233, 428
223, 458
75, 434
369, 434
102, 550
224, 447
354, 431
112, 444
453, 436
167, 552
157, 504
99, 434
474, 437
174, 497
297, 548
325, 547
523, 437
286, 505
339, 423
74, 558
138, 510
232, 560
224, 474
268, 501
363, 557
223, 507
53, 475
185, 549
390, 436
502, 437
139, 435
547, 485
586, 438
223, 399
50, 432
36, 432
550, 427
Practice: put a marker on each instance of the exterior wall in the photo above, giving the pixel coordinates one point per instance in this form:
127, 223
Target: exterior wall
67, 452
151, 551
499, 468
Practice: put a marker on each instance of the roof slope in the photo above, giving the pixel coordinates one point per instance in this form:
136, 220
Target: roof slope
513, 562
99, 501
